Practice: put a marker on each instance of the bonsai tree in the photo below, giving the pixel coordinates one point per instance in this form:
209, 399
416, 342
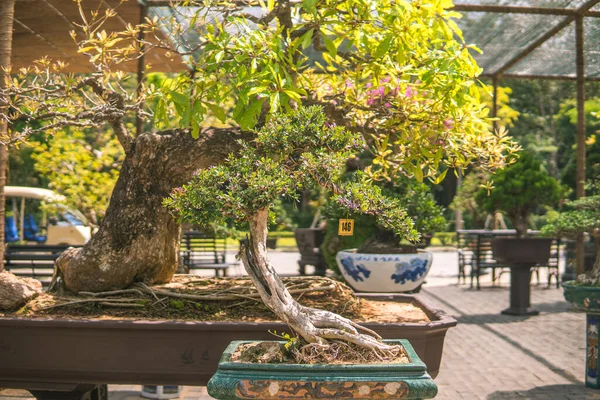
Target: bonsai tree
583, 218
519, 190
370, 237
405, 80
290, 153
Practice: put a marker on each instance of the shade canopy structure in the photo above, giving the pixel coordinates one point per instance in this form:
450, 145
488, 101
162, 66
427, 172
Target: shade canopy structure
518, 38
529, 39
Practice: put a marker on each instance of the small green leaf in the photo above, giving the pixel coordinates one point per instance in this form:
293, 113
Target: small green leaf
307, 39
329, 45
249, 116
383, 47
218, 111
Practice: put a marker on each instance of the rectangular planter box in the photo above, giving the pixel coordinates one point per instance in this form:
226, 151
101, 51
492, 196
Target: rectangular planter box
58, 354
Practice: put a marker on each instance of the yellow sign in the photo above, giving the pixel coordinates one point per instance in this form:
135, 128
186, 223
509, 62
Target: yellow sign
346, 227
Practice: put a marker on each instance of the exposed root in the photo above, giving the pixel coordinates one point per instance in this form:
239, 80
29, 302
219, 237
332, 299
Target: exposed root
114, 302
297, 352
339, 352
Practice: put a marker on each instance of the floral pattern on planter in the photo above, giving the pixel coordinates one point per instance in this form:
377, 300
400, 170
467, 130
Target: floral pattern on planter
355, 270
592, 349
268, 389
384, 273
410, 272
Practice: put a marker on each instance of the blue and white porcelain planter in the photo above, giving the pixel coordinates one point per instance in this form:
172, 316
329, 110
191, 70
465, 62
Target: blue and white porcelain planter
384, 273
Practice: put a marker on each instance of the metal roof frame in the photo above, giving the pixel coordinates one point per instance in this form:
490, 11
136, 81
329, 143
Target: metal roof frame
571, 15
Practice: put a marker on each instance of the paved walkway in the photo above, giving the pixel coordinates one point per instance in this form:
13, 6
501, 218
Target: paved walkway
487, 355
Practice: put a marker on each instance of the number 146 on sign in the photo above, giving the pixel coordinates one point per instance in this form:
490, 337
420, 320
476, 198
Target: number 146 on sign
346, 227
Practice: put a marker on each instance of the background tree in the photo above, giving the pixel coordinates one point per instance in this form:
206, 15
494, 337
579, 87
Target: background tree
84, 171
519, 190
399, 73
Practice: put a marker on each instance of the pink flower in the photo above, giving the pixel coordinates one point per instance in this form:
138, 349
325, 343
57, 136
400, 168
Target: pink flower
449, 124
335, 103
349, 83
370, 101
409, 92
385, 80
369, 84
387, 105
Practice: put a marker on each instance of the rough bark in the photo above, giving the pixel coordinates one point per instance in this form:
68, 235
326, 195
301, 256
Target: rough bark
138, 240
7, 11
315, 326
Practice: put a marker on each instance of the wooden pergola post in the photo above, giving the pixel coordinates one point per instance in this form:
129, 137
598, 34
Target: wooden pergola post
7, 10
580, 159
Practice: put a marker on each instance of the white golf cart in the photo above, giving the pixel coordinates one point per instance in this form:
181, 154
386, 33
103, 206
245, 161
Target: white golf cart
31, 211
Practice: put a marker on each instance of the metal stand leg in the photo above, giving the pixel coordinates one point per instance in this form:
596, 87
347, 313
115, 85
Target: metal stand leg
520, 291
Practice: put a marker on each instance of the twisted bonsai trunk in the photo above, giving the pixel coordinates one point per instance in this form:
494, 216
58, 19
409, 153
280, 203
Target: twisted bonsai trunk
593, 277
138, 240
314, 326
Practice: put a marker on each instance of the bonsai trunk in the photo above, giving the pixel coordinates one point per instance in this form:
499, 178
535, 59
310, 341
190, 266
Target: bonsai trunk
138, 240
520, 224
314, 326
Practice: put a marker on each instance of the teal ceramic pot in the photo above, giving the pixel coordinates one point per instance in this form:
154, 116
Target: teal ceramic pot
584, 298
324, 381
587, 299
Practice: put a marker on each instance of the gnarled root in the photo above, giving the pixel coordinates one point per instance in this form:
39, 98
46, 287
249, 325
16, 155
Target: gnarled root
314, 326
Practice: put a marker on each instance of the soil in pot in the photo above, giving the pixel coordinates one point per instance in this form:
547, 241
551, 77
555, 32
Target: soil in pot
295, 351
231, 299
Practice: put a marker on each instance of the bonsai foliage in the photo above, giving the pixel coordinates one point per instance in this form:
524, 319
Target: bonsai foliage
584, 217
519, 190
292, 152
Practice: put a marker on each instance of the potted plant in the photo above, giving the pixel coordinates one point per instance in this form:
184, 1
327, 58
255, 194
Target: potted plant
584, 292
518, 191
291, 152
374, 259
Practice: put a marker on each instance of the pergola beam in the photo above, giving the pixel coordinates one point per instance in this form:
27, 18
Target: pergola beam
572, 78
542, 39
523, 10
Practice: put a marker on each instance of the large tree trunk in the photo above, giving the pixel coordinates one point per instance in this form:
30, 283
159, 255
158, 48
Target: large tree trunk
313, 325
7, 11
138, 240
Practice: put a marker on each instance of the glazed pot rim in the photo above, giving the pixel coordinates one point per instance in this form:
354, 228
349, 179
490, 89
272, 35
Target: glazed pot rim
414, 365
572, 285
354, 251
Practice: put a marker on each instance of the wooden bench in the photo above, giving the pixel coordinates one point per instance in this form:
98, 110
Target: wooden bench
33, 261
199, 251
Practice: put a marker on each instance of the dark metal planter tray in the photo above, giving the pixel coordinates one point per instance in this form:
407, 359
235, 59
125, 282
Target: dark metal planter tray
59, 354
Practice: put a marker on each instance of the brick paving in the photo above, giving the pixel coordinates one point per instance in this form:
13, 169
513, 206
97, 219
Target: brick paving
487, 355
